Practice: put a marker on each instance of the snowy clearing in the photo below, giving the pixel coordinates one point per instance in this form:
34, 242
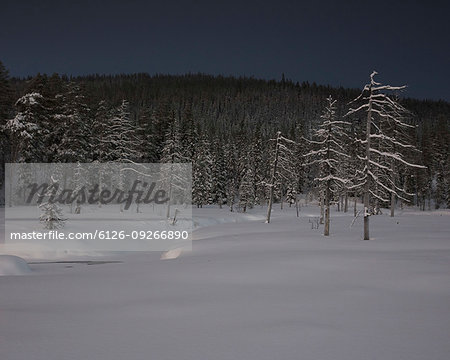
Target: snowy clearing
248, 290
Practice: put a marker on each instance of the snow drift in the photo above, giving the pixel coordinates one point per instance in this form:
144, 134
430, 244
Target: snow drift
13, 265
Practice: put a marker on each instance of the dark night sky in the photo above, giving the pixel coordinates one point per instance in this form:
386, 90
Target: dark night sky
329, 42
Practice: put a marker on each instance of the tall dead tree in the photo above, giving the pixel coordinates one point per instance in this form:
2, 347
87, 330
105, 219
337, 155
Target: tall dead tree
375, 172
282, 166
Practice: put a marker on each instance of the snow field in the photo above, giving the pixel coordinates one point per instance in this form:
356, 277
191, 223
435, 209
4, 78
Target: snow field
248, 290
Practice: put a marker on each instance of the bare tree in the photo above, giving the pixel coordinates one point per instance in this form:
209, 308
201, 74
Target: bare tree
329, 154
282, 166
375, 172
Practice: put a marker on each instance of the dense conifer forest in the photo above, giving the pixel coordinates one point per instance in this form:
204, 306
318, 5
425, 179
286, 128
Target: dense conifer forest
227, 127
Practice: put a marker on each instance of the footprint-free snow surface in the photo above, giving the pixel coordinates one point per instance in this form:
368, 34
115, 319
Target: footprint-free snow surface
247, 291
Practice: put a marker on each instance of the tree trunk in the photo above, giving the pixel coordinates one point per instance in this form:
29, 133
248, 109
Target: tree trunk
346, 202
392, 204
367, 184
393, 184
321, 207
326, 231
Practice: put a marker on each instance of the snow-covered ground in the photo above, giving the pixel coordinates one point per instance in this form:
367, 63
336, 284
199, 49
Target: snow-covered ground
248, 290
13, 265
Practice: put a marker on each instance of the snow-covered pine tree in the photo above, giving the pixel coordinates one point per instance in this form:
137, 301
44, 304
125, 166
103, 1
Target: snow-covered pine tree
103, 150
145, 131
5, 94
282, 168
122, 137
291, 192
79, 181
25, 177
24, 131
352, 166
218, 173
100, 132
201, 173
75, 125
329, 155
172, 153
189, 133
378, 108
246, 189
161, 119
27, 131
6, 106
259, 166
122, 141
52, 215
440, 174
300, 150
232, 173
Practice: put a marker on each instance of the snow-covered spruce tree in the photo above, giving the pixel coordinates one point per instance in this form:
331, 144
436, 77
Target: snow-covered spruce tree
201, 174
100, 133
122, 138
6, 106
219, 176
232, 173
52, 214
75, 127
172, 153
352, 165
24, 179
282, 168
189, 133
328, 155
146, 135
251, 177
259, 165
5, 94
161, 119
24, 131
123, 141
247, 188
79, 181
300, 150
440, 174
291, 193
102, 151
378, 108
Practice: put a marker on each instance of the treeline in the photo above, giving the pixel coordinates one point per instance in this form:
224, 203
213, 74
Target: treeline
223, 125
